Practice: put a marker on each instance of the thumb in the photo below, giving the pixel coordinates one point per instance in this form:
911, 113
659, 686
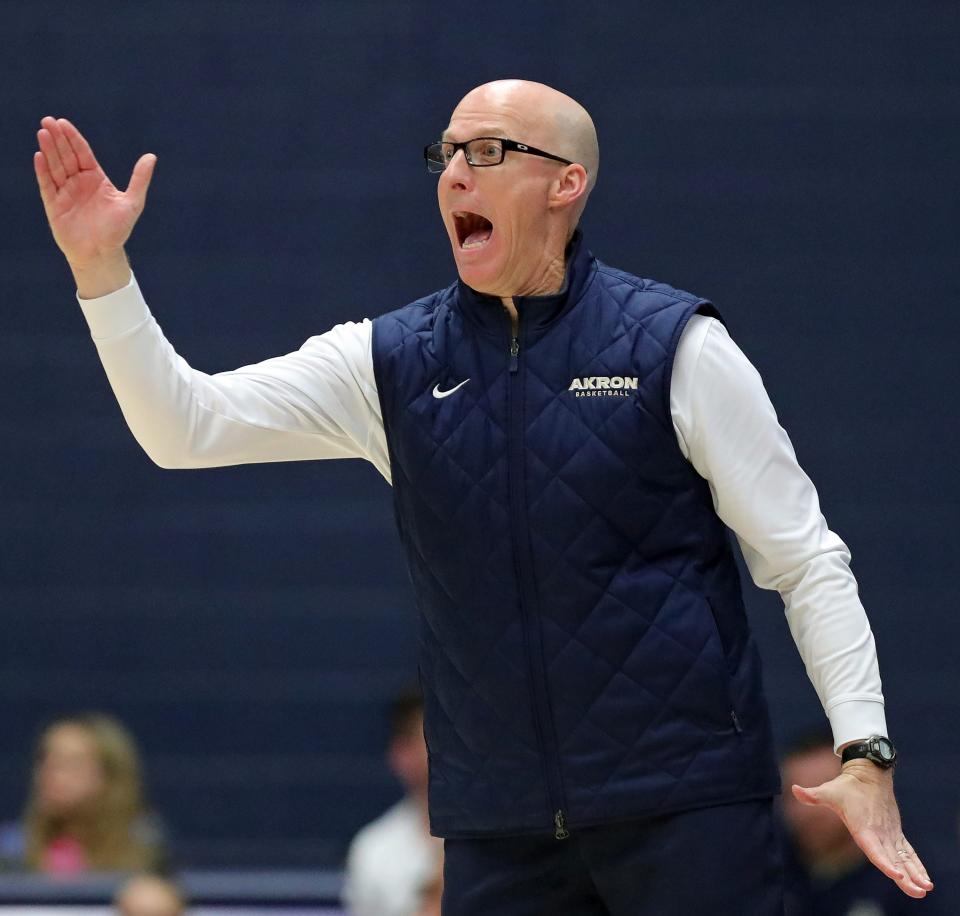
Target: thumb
811, 796
140, 179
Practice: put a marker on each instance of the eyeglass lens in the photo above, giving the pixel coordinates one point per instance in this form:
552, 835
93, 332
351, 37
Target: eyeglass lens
482, 151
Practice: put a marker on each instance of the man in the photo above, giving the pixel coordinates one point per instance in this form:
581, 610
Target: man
827, 873
393, 862
565, 442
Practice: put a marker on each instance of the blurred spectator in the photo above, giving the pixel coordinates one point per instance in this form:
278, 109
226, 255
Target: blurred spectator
827, 874
86, 810
394, 865
150, 895
432, 895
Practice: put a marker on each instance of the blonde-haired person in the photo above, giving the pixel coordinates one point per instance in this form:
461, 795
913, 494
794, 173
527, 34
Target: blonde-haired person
86, 810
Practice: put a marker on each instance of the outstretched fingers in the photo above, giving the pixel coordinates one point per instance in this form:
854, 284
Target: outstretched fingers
877, 853
79, 145
886, 857
65, 150
911, 863
67, 156
48, 188
48, 147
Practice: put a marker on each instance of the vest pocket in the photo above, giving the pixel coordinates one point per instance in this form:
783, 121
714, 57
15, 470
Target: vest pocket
687, 668
727, 674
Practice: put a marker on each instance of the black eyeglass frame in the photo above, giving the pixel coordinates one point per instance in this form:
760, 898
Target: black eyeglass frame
505, 147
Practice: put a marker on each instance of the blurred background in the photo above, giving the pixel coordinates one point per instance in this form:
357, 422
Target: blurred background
795, 163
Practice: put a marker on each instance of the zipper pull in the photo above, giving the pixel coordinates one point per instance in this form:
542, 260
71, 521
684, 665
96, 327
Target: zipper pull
514, 354
738, 728
560, 831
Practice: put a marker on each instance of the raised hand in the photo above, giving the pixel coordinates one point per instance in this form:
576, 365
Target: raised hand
90, 218
862, 797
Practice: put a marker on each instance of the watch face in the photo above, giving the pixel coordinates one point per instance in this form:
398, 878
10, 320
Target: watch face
884, 748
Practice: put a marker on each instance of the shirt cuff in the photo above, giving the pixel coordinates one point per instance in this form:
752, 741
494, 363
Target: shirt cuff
854, 720
117, 312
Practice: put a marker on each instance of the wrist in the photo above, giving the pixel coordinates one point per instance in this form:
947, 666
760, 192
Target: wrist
104, 274
862, 766
868, 775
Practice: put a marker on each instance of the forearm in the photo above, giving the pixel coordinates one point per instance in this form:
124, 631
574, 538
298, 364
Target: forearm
159, 397
830, 629
306, 405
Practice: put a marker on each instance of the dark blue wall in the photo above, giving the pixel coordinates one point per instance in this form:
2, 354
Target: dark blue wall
797, 163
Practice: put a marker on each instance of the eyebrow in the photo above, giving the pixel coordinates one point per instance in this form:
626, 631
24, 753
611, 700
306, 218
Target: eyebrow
487, 132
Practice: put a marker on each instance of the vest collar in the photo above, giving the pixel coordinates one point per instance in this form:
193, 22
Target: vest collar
536, 312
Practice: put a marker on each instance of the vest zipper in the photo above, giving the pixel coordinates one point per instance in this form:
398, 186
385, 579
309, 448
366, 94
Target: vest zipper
523, 560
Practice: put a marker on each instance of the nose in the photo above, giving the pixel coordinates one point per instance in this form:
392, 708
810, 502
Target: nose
458, 173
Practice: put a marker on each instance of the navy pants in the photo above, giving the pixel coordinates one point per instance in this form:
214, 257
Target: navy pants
721, 861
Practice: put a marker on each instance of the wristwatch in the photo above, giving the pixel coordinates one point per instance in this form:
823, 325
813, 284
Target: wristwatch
877, 748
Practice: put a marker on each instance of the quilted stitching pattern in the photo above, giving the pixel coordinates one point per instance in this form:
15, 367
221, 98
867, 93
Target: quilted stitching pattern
625, 546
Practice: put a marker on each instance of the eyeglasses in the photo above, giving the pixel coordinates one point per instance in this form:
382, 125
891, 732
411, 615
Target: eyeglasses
480, 152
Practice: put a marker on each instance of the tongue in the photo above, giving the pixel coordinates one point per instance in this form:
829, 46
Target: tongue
478, 237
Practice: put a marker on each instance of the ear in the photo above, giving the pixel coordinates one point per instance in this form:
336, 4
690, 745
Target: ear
569, 187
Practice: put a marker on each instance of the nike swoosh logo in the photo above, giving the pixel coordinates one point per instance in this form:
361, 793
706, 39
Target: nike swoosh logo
437, 393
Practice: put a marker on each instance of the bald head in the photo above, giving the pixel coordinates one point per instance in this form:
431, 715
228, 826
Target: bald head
509, 226
557, 123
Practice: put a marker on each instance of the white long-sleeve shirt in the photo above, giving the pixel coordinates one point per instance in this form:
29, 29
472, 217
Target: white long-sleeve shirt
321, 402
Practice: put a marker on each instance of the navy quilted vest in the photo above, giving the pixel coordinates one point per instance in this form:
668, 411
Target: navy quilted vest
584, 653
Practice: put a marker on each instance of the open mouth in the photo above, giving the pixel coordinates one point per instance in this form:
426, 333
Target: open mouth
473, 230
